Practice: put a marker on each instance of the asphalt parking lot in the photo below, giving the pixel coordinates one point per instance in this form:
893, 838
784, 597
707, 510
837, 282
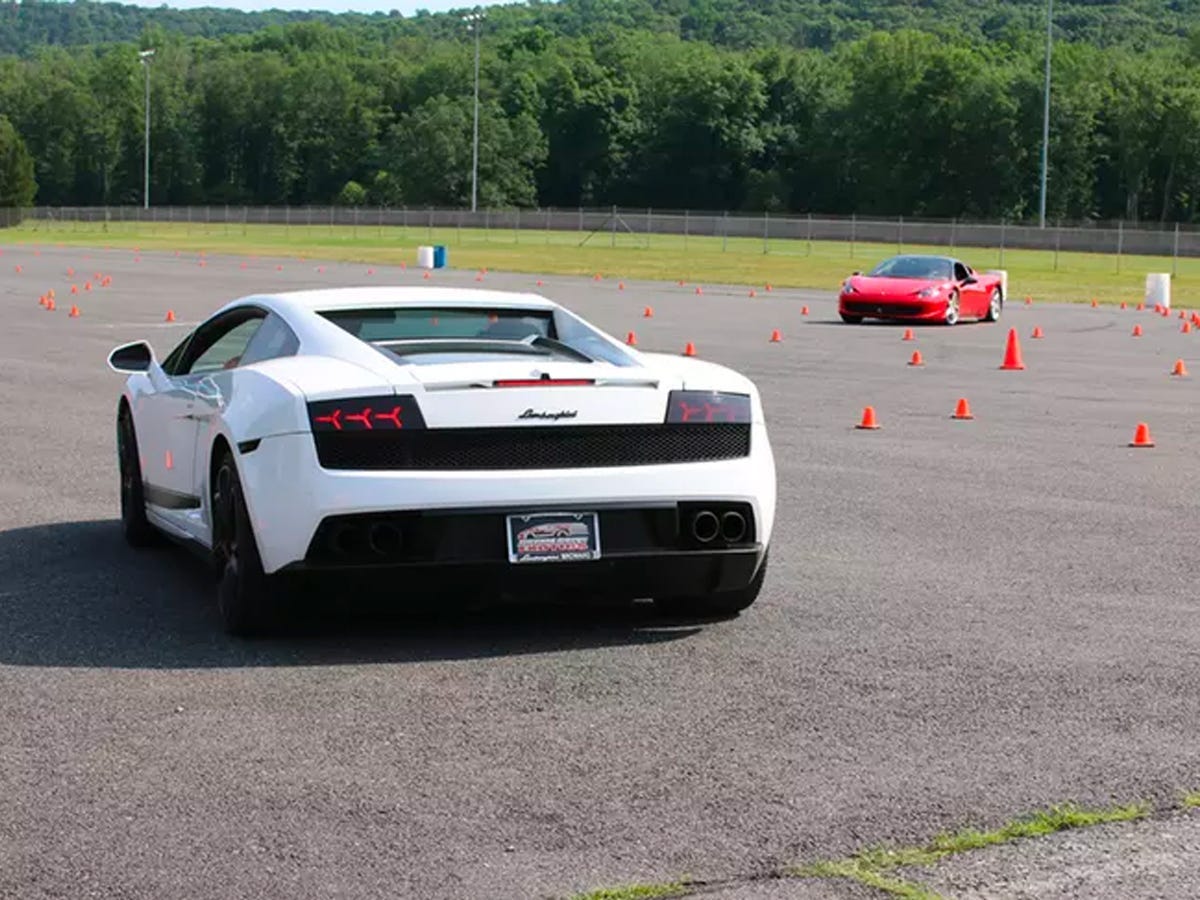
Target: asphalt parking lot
963, 620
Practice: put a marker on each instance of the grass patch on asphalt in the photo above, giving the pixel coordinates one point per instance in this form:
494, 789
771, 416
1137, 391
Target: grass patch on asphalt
821, 265
1190, 800
638, 892
873, 867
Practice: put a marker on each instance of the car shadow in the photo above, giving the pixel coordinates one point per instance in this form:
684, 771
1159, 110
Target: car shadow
74, 594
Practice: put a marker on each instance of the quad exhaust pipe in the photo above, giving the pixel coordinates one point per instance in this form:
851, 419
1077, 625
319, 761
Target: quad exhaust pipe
707, 526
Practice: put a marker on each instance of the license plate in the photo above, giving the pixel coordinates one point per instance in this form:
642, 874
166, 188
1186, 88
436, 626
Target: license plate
553, 537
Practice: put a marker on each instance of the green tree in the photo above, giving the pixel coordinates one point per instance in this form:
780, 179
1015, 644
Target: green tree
17, 184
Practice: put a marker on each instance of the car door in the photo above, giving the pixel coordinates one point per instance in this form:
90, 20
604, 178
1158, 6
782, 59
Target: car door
972, 303
175, 419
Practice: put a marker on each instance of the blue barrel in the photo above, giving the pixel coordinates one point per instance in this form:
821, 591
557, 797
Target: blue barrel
439, 256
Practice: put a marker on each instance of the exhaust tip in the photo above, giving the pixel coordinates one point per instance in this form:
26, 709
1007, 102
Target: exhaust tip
384, 538
347, 540
705, 526
733, 527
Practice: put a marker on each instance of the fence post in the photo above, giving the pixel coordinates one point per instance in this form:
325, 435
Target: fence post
612, 238
429, 225
766, 232
808, 250
331, 220
1057, 241
379, 222
487, 224
356, 223
1003, 222
953, 231
581, 218
649, 225
724, 230
547, 226
1120, 242
853, 232
1175, 252
900, 236
245, 218
517, 226
685, 229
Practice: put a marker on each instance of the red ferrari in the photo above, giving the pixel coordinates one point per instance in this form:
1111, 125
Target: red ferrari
921, 289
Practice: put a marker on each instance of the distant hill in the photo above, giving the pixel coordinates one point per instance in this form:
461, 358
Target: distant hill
739, 24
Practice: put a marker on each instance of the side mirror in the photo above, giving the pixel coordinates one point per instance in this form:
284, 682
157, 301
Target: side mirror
856, 273
129, 358
970, 279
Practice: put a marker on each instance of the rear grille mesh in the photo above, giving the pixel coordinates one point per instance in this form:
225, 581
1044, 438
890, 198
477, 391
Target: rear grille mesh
532, 447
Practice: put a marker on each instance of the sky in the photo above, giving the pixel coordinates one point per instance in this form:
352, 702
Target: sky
405, 7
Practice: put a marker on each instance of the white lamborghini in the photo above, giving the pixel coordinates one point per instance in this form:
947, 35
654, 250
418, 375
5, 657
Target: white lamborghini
448, 441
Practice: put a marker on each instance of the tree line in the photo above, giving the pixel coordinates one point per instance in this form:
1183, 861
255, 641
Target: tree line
906, 122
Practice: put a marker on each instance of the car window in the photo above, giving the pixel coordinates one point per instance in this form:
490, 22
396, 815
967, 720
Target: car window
960, 272
922, 267
221, 344
274, 339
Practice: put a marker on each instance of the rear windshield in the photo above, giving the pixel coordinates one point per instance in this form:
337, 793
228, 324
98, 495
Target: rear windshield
428, 334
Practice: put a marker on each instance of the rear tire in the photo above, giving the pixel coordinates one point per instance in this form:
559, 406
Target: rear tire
720, 604
135, 526
995, 306
245, 594
851, 320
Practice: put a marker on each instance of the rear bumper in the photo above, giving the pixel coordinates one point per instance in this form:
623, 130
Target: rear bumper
289, 496
880, 308
624, 576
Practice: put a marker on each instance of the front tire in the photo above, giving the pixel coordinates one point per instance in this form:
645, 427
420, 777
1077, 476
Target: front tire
995, 306
952, 309
851, 320
720, 604
245, 594
135, 526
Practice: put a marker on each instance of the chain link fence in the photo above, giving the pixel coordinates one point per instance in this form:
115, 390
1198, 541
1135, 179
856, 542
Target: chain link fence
622, 226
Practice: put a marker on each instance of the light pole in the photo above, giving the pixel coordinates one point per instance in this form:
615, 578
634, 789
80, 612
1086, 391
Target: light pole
145, 56
1046, 113
473, 20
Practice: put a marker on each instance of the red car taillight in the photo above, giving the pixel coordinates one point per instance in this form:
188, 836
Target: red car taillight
388, 412
707, 406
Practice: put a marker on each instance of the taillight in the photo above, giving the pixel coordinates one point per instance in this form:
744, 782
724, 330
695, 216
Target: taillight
388, 412
707, 406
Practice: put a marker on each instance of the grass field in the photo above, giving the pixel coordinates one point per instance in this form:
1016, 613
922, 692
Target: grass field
1044, 275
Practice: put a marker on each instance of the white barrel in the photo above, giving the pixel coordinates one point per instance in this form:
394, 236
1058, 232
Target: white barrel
1003, 273
425, 257
1158, 289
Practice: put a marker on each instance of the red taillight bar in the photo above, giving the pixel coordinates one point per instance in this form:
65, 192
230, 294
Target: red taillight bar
544, 382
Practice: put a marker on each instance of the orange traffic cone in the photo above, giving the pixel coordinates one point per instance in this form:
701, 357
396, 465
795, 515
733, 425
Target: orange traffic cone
70, 273
1141, 307
596, 277
50, 305
170, 315
426, 276
1137, 330
753, 293
42, 300
620, 285
804, 310
1094, 303
916, 359
1029, 301
1141, 437
1037, 332
962, 410
648, 312
1180, 369
769, 288
690, 349
1012, 353
540, 282
74, 313
479, 277
87, 285
241, 265
1124, 305
74, 289
1186, 328
370, 271
776, 337
1182, 314
908, 335
868, 422
631, 339
699, 290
